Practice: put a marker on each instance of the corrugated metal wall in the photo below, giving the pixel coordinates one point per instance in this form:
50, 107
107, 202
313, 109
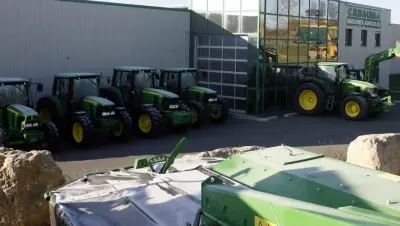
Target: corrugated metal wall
40, 37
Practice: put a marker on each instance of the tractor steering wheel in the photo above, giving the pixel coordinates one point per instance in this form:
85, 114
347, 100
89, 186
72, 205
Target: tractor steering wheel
157, 159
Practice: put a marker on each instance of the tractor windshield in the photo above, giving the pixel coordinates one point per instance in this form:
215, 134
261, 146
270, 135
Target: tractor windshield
85, 87
144, 80
342, 72
189, 79
14, 94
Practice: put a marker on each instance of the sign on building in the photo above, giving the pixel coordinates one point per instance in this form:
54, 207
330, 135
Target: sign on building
364, 18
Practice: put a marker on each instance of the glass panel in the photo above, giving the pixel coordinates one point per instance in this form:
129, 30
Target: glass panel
202, 64
240, 105
216, 40
323, 30
229, 40
232, 22
303, 52
322, 51
215, 53
228, 78
333, 30
272, 6
228, 91
241, 79
294, 7
282, 51
249, 23
282, 27
304, 6
293, 27
203, 40
228, 66
199, 5
283, 7
332, 51
204, 77
217, 88
229, 54
242, 54
215, 5
203, 52
250, 5
333, 10
323, 9
215, 18
241, 66
271, 26
271, 51
231, 5
230, 103
242, 41
240, 92
293, 52
313, 8
215, 77
215, 65
262, 6
312, 51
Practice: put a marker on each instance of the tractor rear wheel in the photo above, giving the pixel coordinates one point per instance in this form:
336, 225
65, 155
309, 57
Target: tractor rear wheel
354, 108
81, 131
197, 113
51, 136
124, 130
149, 122
3, 136
222, 114
309, 99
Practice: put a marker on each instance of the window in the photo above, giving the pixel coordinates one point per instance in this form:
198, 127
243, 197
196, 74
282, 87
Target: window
378, 39
349, 37
364, 34
62, 87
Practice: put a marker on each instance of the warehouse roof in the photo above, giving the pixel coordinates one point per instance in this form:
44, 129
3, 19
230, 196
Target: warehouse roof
132, 68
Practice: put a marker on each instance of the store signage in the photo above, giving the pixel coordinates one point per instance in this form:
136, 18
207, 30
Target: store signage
364, 18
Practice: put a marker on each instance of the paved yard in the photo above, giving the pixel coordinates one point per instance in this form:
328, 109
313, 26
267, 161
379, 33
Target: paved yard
314, 133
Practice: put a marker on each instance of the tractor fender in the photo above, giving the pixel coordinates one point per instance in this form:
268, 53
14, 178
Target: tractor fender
113, 94
54, 104
314, 81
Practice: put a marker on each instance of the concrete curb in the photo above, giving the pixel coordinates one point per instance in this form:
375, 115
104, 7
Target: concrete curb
253, 118
290, 115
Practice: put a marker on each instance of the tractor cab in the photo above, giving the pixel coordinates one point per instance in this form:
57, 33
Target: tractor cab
16, 91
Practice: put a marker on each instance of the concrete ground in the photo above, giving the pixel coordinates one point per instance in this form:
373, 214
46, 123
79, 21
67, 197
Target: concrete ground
317, 134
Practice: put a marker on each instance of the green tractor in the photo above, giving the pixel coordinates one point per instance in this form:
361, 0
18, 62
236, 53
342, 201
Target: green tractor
203, 103
78, 111
330, 87
19, 123
152, 109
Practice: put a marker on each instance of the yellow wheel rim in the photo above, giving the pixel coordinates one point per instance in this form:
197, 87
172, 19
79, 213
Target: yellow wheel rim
308, 100
352, 109
194, 115
77, 132
45, 114
145, 123
216, 114
119, 129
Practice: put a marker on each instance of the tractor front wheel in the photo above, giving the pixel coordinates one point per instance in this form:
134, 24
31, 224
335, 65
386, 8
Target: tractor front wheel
309, 99
222, 114
354, 108
51, 136
123, 132
197, 113
149, 122
81, 131
182, 127
3, 136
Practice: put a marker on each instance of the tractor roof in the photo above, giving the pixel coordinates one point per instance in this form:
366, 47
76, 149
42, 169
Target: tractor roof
178, 69
75, 75
132, 68
12, 80
331, 63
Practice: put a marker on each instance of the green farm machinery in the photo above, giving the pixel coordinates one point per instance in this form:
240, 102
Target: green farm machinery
153, 110
203, 103
19, 123
331, 88
277, 186
78, 111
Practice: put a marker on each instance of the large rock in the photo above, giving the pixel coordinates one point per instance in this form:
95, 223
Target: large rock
223, 152
376, 151
24, 178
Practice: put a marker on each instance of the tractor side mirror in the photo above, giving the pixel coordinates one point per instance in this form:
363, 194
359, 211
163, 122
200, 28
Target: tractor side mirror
39, 87
108, 80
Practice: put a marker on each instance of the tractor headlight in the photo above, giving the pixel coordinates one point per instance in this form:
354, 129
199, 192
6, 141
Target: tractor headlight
36, 124
173, 106
112, 113
106, 113
369, 90
28, 125
212, 100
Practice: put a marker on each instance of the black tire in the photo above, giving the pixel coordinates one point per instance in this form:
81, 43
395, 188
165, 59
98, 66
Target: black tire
359, 114
319, 93
184, 127
126, 123
87, 128
157, 124
51, 139
199, 111
224, 112
4, 138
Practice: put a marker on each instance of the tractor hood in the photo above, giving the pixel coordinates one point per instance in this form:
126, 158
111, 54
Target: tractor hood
22, 110
362, 84
98, 101
161, 92
202, 90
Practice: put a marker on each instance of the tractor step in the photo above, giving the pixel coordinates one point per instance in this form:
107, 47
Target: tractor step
330, 101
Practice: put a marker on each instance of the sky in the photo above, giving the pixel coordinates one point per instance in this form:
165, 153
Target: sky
394, 5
